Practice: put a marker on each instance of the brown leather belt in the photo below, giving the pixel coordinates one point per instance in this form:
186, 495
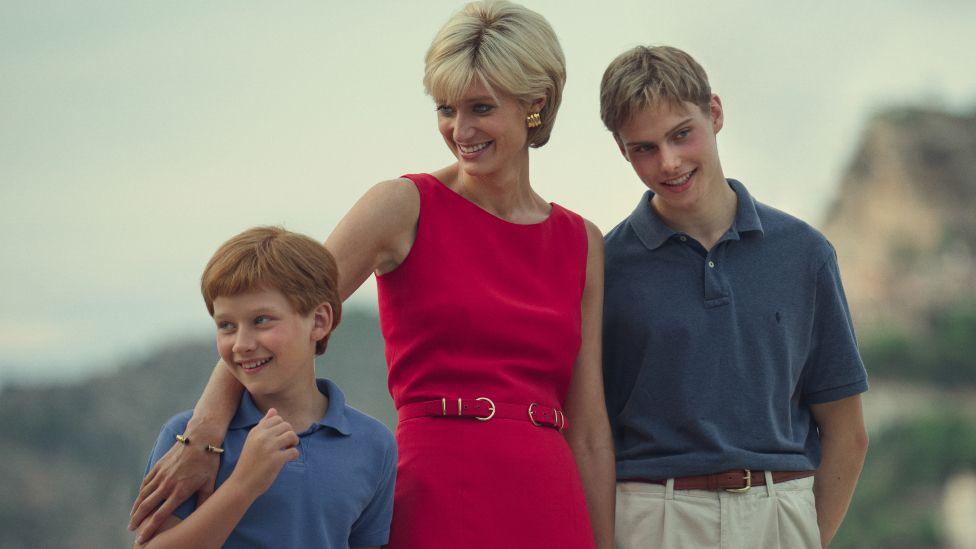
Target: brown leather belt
485, 409
739, 480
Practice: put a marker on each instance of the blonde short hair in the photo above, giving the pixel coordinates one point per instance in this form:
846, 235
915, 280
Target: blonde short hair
272, 258
646, 76
510, 48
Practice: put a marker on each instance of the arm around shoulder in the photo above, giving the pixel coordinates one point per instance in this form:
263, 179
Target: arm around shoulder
269, 445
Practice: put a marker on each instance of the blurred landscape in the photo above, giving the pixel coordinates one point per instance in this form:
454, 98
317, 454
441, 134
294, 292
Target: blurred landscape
903, 222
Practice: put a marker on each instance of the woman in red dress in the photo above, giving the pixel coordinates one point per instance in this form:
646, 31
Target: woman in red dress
490, 305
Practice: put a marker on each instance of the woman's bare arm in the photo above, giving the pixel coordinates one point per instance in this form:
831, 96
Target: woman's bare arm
589, 431
374, 236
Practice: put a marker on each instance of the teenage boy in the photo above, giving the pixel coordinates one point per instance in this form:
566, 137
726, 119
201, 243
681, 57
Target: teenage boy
299, 468
732, 373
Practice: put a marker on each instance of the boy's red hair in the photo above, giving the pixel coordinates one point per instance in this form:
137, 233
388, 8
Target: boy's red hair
272, 258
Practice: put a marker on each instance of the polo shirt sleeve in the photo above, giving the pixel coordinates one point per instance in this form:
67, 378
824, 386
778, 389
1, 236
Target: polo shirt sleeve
834, 369
167, 436
372, 528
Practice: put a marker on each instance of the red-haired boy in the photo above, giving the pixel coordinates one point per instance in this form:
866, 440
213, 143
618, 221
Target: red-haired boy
299, 468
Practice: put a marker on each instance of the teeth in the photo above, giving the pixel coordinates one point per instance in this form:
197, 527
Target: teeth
681, 180
473, 148
250, 365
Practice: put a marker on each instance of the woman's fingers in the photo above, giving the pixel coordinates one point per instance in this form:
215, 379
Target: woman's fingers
153, 523
146, 504
149, 485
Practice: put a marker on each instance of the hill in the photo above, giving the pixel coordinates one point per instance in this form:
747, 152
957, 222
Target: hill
904, 218
74, 454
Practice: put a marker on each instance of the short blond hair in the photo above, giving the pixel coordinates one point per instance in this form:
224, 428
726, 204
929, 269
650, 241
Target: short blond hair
647, 76
510, 48
272, 258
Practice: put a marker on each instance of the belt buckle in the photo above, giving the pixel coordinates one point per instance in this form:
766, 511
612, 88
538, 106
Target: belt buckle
558, 418
491, 409
748, 479
531, 417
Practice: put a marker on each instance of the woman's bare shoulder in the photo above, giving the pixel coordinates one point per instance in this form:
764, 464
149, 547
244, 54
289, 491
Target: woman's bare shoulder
391, 202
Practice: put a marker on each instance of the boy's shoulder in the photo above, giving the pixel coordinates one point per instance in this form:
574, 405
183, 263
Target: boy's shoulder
177, 423
623, 239
362, 439
783, 229
614, 234
361, 422
364, 430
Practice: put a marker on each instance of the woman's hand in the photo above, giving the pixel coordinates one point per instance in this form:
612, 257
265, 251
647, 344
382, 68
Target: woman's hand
269, 445
183, 471
188, 469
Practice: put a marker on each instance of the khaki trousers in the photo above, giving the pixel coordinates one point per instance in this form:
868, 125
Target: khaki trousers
780, 516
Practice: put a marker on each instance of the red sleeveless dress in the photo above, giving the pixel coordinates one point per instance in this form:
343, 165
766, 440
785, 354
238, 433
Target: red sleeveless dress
482, 307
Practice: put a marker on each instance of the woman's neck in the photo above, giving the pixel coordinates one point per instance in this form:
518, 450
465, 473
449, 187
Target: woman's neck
506, 193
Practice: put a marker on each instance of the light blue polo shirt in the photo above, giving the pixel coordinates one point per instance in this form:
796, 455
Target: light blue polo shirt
337, 494
713, 358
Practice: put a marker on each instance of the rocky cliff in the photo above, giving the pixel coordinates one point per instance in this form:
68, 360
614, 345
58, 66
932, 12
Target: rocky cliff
904, 217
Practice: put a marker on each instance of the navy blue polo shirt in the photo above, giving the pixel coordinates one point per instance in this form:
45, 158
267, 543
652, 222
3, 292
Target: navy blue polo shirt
337, 494
713, 358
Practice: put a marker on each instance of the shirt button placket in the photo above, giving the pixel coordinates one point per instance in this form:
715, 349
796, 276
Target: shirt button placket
713, 280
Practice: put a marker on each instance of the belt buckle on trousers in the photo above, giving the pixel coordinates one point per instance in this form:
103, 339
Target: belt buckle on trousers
747, 479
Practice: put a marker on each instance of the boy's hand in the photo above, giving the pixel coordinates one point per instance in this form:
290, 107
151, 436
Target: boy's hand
269, 445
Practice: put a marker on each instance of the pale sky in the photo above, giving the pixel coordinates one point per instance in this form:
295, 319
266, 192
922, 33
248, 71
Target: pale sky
135, 137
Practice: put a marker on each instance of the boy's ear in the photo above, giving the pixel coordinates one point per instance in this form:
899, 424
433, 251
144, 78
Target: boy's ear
716, 113
321, 321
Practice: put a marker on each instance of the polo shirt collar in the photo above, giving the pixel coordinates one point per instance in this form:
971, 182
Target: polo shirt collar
248, 414
652, 231
746, 216
335, 417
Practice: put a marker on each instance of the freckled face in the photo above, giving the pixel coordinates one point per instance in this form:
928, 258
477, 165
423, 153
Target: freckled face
674, 152
266, 345
485, 131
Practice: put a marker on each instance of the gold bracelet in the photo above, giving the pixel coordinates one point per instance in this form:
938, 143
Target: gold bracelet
185, 441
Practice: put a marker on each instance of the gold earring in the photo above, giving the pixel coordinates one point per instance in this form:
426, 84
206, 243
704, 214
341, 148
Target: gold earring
533, 120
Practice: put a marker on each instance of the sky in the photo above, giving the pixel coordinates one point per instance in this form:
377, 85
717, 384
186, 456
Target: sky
135, 137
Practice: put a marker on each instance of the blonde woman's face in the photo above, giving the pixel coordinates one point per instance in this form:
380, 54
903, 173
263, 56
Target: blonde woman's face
486, 131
